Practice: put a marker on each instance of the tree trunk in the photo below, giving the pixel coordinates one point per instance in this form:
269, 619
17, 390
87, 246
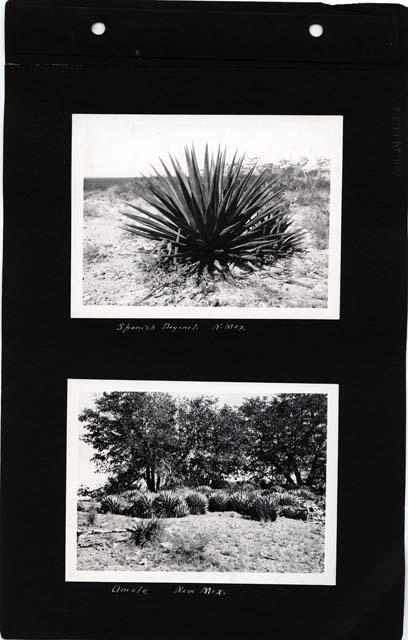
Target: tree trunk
298, 476
289, 478
312, 472
150, 480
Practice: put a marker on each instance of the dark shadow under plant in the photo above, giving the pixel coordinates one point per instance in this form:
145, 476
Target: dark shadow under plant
295, 513
215, 219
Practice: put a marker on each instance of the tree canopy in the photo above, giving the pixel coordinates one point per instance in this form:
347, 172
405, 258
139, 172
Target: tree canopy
195, 440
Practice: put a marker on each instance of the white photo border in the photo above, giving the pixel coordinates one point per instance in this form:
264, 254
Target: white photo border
80, 310
72, 574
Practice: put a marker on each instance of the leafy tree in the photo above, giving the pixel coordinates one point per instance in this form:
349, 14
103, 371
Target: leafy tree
192, 440
212, 439
287, 437
134, 435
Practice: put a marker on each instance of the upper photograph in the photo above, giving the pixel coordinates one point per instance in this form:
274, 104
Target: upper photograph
206, 216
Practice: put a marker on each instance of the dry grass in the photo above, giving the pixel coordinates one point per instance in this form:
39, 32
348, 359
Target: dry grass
212, 542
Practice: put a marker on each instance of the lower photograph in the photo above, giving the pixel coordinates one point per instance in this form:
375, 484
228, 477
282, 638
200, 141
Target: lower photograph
201, 482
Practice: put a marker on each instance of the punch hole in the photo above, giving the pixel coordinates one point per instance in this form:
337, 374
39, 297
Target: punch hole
98, 28
316, 30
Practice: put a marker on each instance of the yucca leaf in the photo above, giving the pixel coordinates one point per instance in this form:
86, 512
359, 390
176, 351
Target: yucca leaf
216, 217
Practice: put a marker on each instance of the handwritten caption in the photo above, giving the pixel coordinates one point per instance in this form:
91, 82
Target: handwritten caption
179, 590
172, 327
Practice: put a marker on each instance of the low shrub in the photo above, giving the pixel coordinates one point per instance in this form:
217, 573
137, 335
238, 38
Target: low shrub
142, 506
296, 513
239, 502
170, 505
218, 502
188, 547
91, 209
197, 503
93, 252
263, 508
91, 515
320, 488
146, 531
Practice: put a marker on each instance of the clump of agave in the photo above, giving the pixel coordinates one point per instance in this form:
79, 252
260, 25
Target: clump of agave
215, 219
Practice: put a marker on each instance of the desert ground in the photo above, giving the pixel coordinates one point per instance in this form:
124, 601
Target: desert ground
224, 541
119, 267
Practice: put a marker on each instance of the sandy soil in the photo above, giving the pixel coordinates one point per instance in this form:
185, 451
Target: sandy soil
233, 543
119, 270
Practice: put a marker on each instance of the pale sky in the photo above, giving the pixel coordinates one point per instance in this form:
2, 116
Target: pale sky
127, 145
87, 472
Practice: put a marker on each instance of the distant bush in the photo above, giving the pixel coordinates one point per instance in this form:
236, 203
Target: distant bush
130, 494
84, 491
241, 487
91, 209
91, 515
113, 504
170, 505
239, 502
317, 223
263, 508
305, 493
203, 488
296, 513
218, 501
146, 531
197, 503
93, 252
142, 506
320, 488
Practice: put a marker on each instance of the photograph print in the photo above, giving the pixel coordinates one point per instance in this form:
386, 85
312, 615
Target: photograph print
206, 216
201, 482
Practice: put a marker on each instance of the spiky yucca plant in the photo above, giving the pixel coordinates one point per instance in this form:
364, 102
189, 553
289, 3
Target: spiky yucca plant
197, 503
215, 219
142, 506
218, 501
240, 502
263, 508
286, 499
113, 504
146, 531
170, 505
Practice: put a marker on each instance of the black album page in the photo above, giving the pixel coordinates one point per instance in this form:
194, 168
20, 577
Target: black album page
204, 320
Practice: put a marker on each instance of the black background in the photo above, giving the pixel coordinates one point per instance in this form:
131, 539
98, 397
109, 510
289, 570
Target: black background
187, 64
